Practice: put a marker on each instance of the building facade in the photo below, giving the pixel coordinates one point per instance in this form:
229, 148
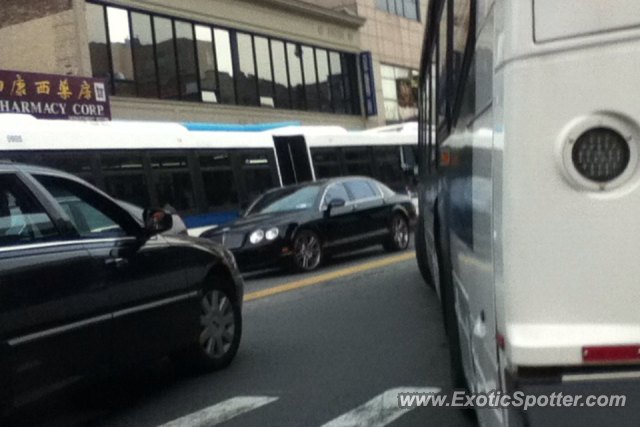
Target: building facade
351, 63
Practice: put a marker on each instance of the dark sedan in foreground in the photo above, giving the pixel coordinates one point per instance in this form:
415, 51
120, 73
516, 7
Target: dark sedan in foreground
299, 226
86, 288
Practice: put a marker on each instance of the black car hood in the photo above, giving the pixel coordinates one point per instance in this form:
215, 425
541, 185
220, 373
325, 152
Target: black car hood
264, 220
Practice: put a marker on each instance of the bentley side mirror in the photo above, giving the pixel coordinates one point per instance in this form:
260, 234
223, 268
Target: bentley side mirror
335, 203
157, 220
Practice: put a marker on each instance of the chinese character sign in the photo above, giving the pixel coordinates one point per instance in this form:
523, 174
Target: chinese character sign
53, 96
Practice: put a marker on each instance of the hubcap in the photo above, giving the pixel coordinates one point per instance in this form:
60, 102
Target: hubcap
307, 251
218, 324
400, 232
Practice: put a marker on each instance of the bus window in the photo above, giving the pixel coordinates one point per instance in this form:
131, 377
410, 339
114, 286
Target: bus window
220, 187
77, 163
173, 183
388, 166
325, 162
124, 178
358, 161
257, 174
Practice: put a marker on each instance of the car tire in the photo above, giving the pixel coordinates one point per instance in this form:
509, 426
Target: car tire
398, 239
220, 330
308, 253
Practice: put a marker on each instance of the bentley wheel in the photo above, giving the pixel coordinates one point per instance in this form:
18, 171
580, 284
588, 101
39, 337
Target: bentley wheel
307, 251
399, 234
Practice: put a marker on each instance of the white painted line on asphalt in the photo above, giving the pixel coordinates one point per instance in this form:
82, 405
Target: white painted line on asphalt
379, 411
223, 411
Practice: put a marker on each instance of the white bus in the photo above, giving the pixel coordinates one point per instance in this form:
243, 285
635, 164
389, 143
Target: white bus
529, 200
207, 176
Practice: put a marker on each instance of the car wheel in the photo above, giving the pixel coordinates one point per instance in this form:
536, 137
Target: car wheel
219, 333
398, 234
307, 251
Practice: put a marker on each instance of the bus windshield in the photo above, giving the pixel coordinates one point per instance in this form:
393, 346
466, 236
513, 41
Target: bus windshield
286, 199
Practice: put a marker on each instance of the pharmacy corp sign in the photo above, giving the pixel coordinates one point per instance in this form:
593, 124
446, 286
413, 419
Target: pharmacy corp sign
50, 96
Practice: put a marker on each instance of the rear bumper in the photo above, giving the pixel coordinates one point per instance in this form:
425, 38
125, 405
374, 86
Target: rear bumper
579, 398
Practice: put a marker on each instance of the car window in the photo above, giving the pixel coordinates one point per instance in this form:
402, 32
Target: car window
92, 215
335, 191
22, 219
286, 199
361, 189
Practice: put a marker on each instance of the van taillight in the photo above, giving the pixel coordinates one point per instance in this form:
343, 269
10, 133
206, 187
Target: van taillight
613, 353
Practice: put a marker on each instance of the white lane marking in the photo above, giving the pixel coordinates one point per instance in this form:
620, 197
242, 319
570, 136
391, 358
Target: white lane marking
223, 411
379, 411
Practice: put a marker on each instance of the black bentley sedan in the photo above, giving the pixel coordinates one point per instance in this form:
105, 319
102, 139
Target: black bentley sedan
298, 226
85, 287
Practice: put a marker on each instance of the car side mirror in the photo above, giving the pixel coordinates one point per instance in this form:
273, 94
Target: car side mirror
335, 203
157, 220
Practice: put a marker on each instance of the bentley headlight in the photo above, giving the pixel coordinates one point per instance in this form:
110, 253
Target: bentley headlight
272, 233
256, 237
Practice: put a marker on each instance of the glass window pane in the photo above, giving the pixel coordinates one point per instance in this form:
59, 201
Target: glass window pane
461, 26
220, 189
265, 75
324, 155
225, 66
207, 64
121, 162
349, 68
120, 38
337, 83
389, 89
392, 6
166, 56
22, 220
387, 72
411, 9
391, 111
246, 79
169, 162
98, 42
360, 189
294, 53
382, 4
175, 191
326, 170
324, 78
335, 192
257, 181
280, 74
128, 187
92, 215
216, 159
143, 55
310, 77
187, 61
442, 66
358, 154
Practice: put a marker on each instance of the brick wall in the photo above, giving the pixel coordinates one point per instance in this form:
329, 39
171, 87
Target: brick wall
14, 12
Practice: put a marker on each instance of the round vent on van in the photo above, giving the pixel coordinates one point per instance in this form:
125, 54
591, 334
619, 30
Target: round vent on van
601, 154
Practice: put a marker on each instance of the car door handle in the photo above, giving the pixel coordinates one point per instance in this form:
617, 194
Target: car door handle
116, 262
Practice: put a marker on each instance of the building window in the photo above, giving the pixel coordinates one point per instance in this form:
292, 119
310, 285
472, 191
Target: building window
207, 65
150, 56
408, 8
400, 92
